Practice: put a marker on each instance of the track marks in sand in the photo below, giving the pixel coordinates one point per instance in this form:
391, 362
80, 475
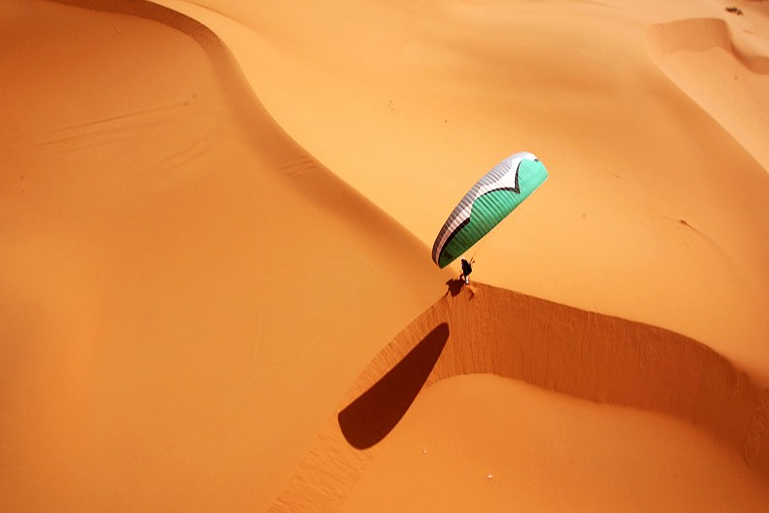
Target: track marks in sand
299, 167
190, 131
93, 134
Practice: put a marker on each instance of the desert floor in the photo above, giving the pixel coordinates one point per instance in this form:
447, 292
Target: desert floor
216, 291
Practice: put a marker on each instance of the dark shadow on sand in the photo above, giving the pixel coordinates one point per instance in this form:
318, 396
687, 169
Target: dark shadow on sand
455, 286
370, 417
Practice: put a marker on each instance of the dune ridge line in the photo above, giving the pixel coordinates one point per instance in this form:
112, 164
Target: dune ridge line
583, 354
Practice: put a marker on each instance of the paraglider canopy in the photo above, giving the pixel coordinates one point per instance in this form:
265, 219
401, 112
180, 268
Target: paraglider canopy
487, 203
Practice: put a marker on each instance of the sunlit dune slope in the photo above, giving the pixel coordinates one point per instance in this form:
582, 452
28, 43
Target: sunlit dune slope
714, 63
177, 276
498, 445
387, 417
655, 209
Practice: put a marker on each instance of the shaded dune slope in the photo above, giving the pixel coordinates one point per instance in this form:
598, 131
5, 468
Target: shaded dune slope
169, 286
583, 354
284, 155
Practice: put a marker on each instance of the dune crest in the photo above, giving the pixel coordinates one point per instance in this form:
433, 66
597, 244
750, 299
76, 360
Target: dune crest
701, 35
726, 76
409, 103
583, 354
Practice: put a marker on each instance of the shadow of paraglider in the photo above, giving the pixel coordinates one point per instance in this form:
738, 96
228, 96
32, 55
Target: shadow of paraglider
371, 417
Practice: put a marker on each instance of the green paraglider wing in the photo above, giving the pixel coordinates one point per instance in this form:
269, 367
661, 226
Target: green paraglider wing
490, 200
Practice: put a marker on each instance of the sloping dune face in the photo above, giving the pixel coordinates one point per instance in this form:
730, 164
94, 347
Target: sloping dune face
655, 209
192, 284
503, 445
725, 69
176, 274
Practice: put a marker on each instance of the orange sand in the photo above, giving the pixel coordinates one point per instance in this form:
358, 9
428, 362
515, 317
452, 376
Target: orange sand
216, 291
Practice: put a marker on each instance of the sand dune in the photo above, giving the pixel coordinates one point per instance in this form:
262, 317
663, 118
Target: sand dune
484, 330
171, 277
214, 215
562, 454
729, 81
637, 189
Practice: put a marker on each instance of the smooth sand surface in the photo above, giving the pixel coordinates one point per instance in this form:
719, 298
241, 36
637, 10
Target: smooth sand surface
504, 443
216, 290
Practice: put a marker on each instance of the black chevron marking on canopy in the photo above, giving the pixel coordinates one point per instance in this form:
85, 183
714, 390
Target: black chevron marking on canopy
511, 189
516, 188
495, 177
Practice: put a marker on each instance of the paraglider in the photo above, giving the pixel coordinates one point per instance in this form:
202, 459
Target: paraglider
487, 203
467, 268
